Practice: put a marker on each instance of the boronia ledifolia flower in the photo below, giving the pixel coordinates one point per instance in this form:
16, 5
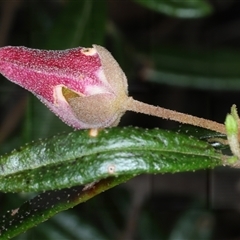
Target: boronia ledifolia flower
85, 87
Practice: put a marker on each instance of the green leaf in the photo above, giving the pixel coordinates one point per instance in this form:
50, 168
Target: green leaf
81, 23
215, 139
177, 8
231, 125
91, 224
47, 204
78, 158
209, 69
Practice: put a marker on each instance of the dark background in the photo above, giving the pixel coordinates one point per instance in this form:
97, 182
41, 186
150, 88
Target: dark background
147, 207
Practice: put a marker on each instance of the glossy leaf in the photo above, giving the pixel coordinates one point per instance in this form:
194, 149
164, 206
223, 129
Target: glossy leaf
181, 9
79, 158
217, 140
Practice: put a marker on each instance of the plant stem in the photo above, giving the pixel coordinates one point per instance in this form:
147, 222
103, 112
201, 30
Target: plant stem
140, 107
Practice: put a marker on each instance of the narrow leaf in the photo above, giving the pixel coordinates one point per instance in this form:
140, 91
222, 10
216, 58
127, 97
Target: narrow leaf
79, 158
47, 204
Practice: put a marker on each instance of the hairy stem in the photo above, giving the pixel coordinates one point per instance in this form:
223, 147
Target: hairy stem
140, 107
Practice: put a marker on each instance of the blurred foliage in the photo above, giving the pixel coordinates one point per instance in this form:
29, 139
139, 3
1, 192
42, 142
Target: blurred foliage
181, 9
85, 26
68, 23
212, 69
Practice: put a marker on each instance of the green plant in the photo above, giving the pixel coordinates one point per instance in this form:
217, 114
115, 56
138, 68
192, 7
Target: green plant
76, 166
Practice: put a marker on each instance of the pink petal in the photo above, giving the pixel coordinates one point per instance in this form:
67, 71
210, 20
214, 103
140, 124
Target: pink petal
45, 73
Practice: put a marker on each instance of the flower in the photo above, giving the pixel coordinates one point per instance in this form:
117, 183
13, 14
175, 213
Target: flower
85, 87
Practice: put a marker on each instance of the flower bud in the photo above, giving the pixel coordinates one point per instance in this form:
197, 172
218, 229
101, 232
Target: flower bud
85, 87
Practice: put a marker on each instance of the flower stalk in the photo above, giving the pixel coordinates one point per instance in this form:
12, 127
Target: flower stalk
85, 87
140, 107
